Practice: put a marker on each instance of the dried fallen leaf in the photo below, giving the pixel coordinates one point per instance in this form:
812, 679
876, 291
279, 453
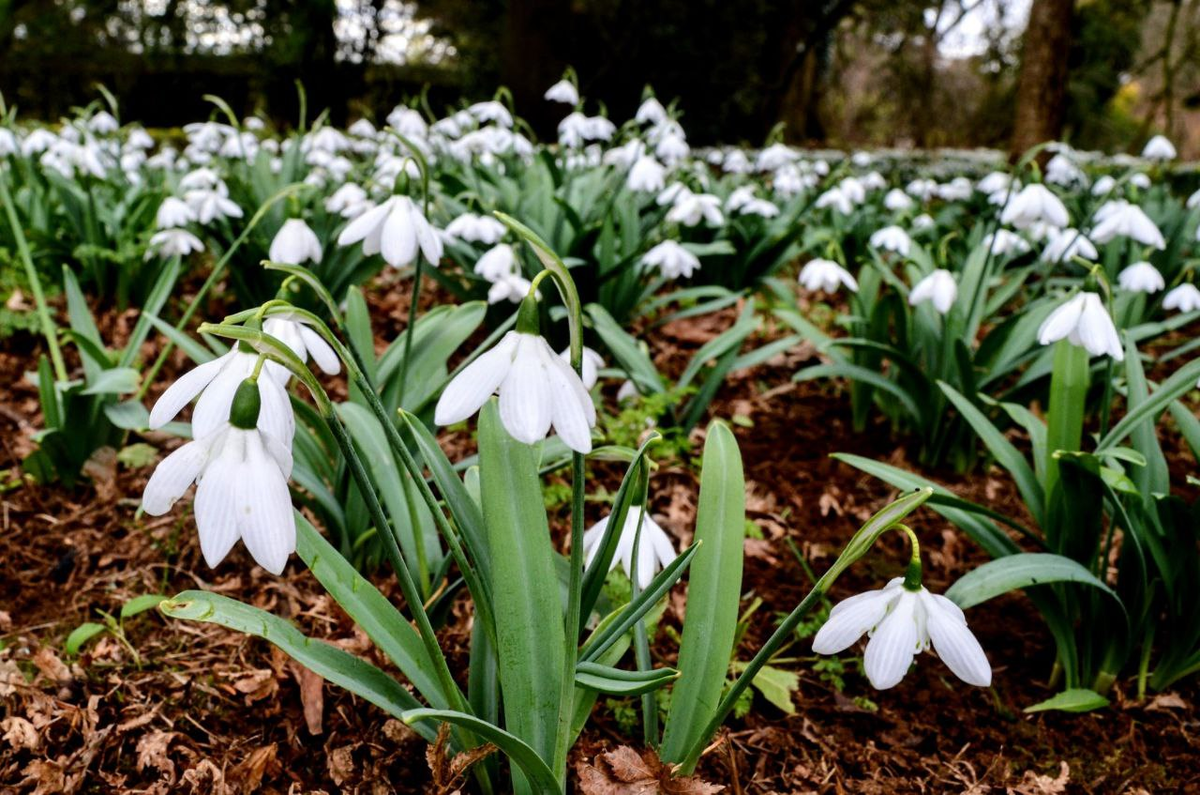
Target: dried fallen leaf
312, 696
1036, 784
1165, 701
249, 773
19, 733
51, 667
623, 771
341, 764
153, 750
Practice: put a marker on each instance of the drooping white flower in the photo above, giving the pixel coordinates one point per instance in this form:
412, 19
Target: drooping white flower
509, 287
1141, 277
646, 176
891, 238
1035, 204
655, 550
1104, 185
692, 208
173, 212
537, 389
1193, 201
1062, 171
1185, 298
650, 111
491, 111
672, 260
897, 200
996, 181
216, 382
173, 243
398, 230
922, 222
294, 243
563, 91
497, 262
242, 492
1003, 241
1122, 219
103, 123
348, 201
1067, 243
1083, 321
760, 207
826, 275
939, 288
591, 363
775, 157
471, 228
1159, 148
304, 342
837, 199
212, 204
671, 149
902, 623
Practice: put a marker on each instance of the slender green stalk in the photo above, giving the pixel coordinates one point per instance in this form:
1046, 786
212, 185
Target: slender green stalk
49, 329
1068, 391
410, 328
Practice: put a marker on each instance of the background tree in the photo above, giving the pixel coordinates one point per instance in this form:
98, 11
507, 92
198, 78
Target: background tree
1042, 85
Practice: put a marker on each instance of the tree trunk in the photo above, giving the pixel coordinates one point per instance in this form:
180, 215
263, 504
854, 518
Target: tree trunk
1042, 85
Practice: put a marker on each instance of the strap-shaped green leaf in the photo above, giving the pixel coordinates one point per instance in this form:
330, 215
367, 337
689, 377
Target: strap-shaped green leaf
387, 628
714, 590
1182, 381
343, 669
619, 682
1023, 570
530, 637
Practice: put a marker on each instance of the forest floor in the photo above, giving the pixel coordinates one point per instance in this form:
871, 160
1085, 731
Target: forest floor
193, 708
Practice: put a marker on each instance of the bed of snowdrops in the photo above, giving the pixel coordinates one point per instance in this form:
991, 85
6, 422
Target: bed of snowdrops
979, 305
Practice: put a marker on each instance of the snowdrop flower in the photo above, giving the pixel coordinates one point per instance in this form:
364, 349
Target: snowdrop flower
497, 262
1141, 277
736, 162
37, 141
563, 91
216, 382
1159, 148
1140, 181
627, 391
692, 208
1067, 243
471, 228
1061, 171
650, 111
408, 123
241, 472
759, 207
646, 176
509, 286
923, 189
995, 182
1084, 322
348, 201
398, 230
672, 260
200, 179
655, 550
104, 123
294, 243
739, 198
672, 149
362, 128
1193, 201
897, 200
1122, 219
775, 157
939, 288
826, 275
1035, 203
1005, 242
173, 243
892, 238
956, 190
922, 222
873, 181
901, 623
8, 142
212, 204
304, 342
172, 213
1185, 298
1104, 186
491, 111
537, 390
836, 198
591, 361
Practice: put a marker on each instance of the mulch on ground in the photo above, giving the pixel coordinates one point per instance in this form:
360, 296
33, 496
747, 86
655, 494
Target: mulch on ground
178, 707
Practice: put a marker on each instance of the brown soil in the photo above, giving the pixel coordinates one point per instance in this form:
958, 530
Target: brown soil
181, 707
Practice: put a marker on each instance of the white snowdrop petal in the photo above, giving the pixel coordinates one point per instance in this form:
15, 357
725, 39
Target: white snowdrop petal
264, 509
569, 403
275, 415
364, 225
471, 388
1061, 322
212, 409
850, 620
399, 242
180, 393
172, 477
525, 397
320, 351
891, 649
216, 516
956, 644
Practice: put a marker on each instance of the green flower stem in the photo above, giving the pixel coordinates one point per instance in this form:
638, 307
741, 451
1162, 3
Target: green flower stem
49, 329
217, 270
1068, 391
278, 352
858, 546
